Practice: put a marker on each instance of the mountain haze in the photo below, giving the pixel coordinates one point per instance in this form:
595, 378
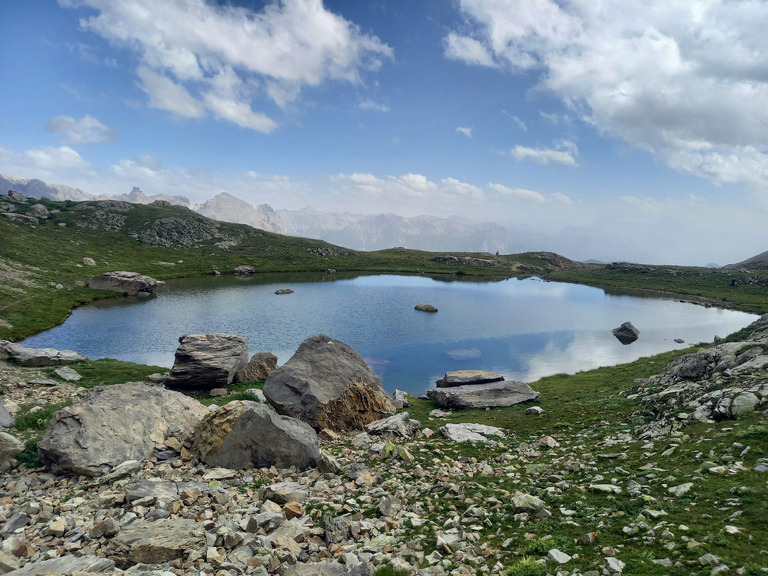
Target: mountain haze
34, 188
228, 208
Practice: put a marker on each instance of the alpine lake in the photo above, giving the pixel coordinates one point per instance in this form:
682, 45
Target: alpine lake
524, 329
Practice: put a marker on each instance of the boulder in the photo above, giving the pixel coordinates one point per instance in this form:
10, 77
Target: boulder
471, 432
158, 541
116, 423
89, 261
244, 270
207, 361
425, 308
68, 564
68, 374
399, 425
468, 378
38, 211
245, 434
23, 218
401, 399
39, 356
16, 196
491, 395
626, 333
132, 283
282, 291
258, 368
10, 446
328, 385
6, 418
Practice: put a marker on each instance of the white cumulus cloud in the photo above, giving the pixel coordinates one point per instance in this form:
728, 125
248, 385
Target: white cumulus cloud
685, 80
186, 47
464, 130
564, 153
87, 130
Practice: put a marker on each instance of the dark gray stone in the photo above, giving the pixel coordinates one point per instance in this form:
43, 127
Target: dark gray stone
245, 434
207, 361
626, 333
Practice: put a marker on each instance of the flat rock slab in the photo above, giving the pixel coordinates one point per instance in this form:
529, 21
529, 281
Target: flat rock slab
67, 565
159, 541
39, 356
467, 378
493, 395
470, 432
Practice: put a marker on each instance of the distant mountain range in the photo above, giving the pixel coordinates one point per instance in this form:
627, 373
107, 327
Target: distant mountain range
356, 231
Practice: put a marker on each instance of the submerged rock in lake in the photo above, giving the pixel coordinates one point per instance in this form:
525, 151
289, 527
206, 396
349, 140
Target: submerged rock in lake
425, 308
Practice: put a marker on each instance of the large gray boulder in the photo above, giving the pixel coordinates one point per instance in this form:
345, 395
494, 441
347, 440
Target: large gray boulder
38, 356
328, 385
132, 283
491, 395
258, 368
116, 423
38, 211
245, 434
207, 361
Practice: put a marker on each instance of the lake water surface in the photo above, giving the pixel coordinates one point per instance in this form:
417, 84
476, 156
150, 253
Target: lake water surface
524, 329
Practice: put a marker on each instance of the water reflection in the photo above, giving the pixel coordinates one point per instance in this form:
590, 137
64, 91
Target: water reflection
524, 329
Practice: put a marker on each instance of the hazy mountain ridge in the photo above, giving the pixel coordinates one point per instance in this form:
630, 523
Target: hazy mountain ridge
379, 231
34, 188
228, 208
355, 231
136, 196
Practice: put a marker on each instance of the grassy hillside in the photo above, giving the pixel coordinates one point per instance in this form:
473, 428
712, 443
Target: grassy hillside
747, 291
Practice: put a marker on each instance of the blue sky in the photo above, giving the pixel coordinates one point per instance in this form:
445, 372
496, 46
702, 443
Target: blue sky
633, 130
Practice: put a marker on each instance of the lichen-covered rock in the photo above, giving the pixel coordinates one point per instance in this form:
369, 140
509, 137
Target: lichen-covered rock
245, 434
258, 368
328, 385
